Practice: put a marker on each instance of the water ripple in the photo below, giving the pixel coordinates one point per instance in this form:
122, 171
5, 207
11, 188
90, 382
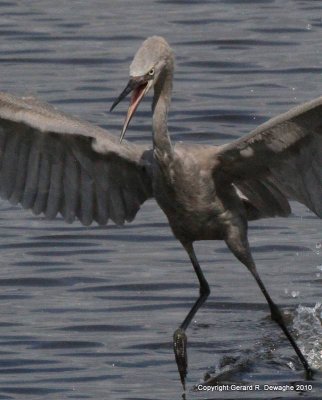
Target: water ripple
89, 313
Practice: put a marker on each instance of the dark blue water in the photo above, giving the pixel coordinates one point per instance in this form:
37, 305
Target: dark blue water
88, 313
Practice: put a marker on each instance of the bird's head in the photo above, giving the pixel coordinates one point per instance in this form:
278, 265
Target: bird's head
150, 61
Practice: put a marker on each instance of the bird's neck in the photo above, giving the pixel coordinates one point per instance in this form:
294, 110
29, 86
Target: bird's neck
161, 102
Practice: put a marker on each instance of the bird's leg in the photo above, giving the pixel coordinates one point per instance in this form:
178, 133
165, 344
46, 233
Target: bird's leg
277, 316
241, 250
179, 336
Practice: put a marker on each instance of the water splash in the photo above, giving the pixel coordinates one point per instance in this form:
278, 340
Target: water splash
308, 327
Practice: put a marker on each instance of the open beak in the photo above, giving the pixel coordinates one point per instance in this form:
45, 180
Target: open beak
139, 87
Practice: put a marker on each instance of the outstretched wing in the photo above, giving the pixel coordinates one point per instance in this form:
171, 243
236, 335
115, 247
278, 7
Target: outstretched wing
280, 160
53, 163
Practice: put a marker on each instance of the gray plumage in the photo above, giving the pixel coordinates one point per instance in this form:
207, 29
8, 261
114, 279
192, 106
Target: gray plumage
53, 163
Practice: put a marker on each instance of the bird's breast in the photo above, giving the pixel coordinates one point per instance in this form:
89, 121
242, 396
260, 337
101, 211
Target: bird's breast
186, 193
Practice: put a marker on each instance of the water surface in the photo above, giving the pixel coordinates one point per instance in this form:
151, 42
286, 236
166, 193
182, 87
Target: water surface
88, 313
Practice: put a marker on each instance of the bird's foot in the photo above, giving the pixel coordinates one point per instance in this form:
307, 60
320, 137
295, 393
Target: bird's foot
180, 352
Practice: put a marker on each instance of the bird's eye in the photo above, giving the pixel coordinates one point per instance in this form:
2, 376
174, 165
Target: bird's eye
151, 72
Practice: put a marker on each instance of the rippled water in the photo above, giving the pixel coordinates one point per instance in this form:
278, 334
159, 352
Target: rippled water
88, 313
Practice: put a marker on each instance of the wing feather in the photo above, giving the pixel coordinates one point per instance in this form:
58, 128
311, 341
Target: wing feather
21, 174
53, 163
87, 198
55, 194
30, 190
285, 151
71, 187
101, 193
116, 205
10, 159
43, 186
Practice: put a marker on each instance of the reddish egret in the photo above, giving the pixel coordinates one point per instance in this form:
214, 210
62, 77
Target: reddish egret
53, 163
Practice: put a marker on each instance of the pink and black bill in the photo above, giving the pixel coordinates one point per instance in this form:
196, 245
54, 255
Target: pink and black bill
139, 87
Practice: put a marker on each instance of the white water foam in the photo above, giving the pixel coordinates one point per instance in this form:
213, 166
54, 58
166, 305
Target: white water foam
308, 328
